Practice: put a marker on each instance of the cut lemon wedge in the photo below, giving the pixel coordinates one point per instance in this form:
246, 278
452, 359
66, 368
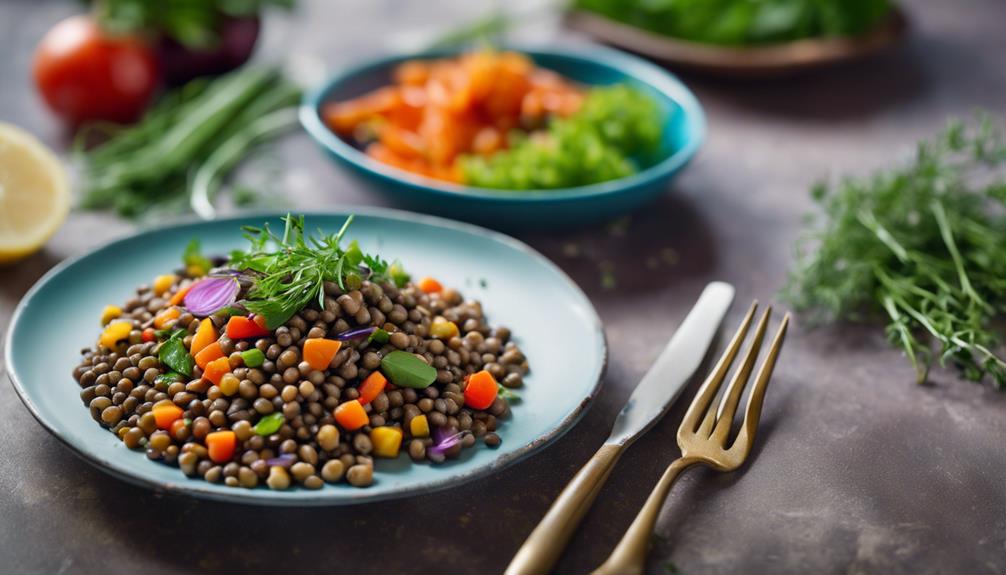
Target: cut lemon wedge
34, 193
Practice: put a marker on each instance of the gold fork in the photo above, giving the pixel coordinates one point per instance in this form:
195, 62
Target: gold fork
703, 436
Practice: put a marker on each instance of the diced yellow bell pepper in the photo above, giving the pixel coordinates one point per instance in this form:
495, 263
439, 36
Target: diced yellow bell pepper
419, 426
116, 331
109, 313
163, 283
443, 329
386, 440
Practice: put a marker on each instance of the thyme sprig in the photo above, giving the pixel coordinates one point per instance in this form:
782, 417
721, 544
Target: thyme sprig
289, 270
925, 246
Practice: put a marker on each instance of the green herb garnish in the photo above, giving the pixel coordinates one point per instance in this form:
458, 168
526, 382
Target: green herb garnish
289, 270
407, 370
174, 355
616, 132
925, 245
507, 393
196, 264
269, 424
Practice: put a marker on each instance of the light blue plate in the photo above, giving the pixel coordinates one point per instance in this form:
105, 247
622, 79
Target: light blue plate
683, 133
551, 319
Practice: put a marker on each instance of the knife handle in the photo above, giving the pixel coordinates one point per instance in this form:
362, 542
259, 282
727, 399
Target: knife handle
545, 544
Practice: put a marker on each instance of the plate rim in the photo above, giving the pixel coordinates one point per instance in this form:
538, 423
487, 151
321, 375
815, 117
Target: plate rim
254, 497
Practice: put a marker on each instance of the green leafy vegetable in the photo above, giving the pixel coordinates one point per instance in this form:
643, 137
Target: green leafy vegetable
745, 22
167, 378
290, 274
174, 355
923, 244
407, 370
269, 424
616, 131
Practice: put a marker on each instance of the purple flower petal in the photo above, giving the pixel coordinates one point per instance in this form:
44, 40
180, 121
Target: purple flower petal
442, 441
356, 333
212, 294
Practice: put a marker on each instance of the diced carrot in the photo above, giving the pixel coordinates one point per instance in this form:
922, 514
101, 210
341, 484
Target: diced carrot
166, 315
372, 387
241, 327
211, 352
216, 369
205, 334
180, 294
481, 390
221, 446
165, 414
430, 285
351, 415
487, 141
319, 352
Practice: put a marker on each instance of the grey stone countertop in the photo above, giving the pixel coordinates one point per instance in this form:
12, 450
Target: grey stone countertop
856, 470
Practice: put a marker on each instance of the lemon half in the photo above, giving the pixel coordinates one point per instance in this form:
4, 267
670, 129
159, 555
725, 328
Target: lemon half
34, 193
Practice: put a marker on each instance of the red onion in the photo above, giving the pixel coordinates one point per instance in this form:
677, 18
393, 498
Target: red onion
356, 333
442, 442
285, 460
212, 294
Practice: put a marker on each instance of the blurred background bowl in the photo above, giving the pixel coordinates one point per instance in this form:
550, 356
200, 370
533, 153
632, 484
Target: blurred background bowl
683, 133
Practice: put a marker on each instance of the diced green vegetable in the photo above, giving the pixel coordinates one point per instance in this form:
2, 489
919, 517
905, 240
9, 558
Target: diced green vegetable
269, 424
507, 393
407, 370
617, 130
253, 357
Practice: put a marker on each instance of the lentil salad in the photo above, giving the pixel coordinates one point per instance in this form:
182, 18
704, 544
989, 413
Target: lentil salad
369, 365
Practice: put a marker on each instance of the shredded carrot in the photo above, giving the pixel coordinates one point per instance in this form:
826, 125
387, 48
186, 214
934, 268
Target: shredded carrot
437, 110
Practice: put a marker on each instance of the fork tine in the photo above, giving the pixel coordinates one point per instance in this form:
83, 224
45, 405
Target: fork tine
732, 396
711, 385
745, 439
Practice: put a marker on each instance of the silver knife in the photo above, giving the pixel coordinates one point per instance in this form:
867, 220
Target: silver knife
650, 400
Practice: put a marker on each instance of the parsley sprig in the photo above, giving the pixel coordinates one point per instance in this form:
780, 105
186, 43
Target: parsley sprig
923, 245
289, 270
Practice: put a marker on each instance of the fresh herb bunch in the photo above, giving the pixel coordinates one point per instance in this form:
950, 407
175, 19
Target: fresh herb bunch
616, 130
745, 22
290, 273
925, 245
193, 23
176, 156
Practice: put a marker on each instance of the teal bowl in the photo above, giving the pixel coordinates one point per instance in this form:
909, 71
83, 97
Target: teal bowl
683, 134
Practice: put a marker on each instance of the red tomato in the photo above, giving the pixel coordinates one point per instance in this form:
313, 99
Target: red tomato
85, 75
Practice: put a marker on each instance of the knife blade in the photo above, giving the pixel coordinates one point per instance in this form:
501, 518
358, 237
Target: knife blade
649, 401
676, 364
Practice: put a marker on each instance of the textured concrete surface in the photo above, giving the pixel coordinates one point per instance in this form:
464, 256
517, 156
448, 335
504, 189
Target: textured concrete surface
857, 470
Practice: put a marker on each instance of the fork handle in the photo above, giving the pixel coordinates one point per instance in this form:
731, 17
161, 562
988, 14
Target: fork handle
629, 557
545, 544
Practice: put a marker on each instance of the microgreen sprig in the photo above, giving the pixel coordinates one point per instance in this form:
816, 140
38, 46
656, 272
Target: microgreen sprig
289, 271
